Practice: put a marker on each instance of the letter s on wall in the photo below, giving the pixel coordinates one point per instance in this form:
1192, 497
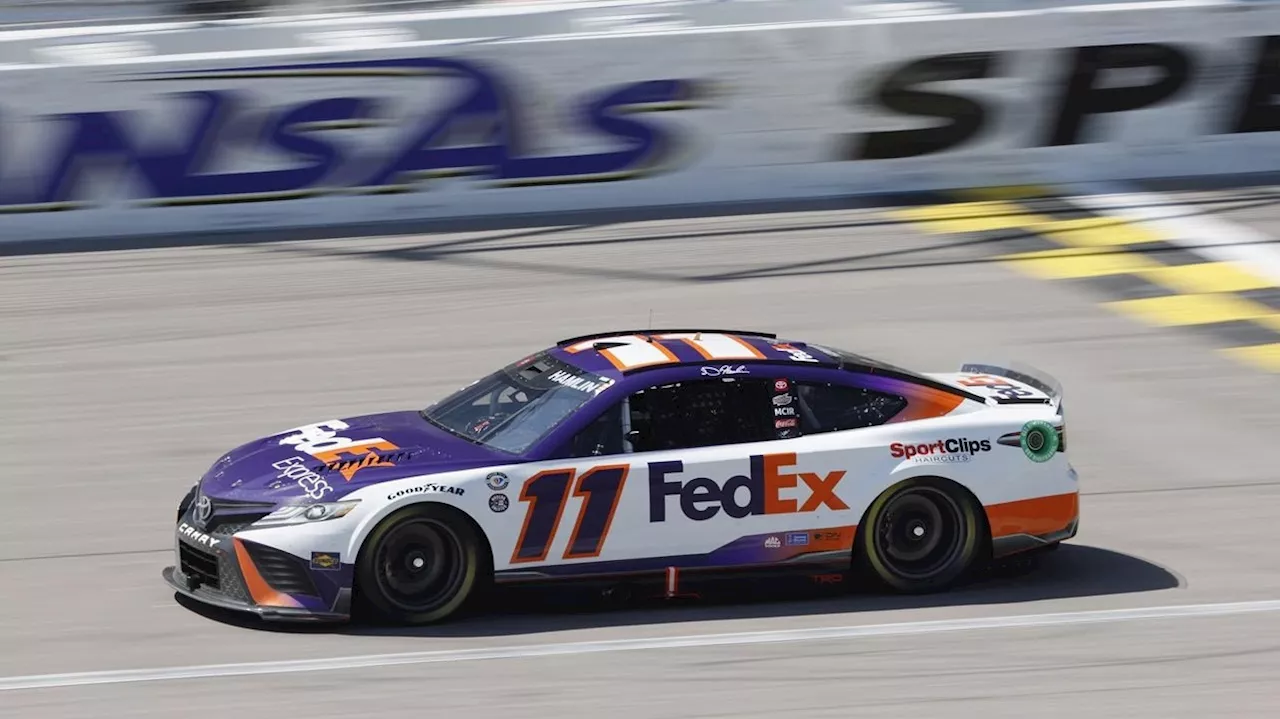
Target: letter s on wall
897, 92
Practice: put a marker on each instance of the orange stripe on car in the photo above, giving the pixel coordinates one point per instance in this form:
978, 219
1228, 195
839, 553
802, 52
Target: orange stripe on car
1036, 517
262, 593
927, 403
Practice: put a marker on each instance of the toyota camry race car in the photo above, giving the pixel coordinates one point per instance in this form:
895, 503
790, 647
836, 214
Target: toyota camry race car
654, 456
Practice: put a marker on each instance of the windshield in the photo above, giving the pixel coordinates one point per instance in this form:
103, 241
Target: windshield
518, 405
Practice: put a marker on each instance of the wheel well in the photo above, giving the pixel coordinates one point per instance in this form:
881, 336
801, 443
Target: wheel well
485, 543
950, 484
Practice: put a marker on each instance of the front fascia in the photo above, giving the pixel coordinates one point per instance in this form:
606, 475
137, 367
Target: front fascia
243, 580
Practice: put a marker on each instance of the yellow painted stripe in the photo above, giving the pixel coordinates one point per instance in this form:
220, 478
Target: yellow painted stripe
1207, 277
1263, 357
1272, 321
1004, 192
1095, 232
1191, 309
969, 217
1075, 262
1093, 247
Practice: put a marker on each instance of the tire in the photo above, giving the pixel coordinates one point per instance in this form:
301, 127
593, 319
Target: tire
422, 565
923, 535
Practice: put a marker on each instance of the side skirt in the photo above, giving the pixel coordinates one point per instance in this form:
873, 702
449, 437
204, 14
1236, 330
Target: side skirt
687, 582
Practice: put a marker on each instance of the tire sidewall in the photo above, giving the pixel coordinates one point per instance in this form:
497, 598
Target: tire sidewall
477, 565
973, 519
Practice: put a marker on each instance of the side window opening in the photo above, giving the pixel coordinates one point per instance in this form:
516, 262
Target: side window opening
604, 436
700, 414
832, 408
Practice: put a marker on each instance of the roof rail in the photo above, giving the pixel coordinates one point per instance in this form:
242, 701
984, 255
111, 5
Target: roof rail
750, 362
615, 333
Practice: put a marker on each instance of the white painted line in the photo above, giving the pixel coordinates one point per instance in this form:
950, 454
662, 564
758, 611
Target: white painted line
45, 681
1182, 224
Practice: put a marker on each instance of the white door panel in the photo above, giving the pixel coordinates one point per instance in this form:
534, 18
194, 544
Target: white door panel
679, 503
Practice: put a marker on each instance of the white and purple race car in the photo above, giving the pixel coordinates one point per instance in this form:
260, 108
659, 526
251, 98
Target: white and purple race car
649, 458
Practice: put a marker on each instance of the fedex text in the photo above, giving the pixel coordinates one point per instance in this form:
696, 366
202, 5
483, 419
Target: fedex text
760, 491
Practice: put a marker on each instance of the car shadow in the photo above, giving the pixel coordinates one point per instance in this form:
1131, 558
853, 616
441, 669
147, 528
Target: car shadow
1072, 571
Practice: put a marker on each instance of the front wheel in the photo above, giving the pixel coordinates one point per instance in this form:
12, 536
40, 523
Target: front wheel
422, 565
923, 535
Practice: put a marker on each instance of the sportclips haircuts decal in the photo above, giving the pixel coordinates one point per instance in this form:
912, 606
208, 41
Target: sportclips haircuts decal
475, 131
1087, 82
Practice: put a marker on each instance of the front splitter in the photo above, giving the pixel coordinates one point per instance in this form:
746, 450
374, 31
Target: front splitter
175, 579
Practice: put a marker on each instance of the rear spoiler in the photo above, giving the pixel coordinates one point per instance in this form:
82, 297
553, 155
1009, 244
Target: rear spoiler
1024, 373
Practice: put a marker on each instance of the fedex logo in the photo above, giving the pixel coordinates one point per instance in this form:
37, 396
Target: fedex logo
321, 441
758, 492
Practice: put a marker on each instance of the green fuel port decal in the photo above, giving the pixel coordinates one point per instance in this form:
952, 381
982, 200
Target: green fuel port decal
1039, 440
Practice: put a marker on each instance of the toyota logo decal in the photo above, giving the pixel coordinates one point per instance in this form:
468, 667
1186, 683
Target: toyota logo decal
204, 508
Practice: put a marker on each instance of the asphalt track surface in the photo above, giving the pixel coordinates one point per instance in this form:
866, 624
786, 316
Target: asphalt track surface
123, 374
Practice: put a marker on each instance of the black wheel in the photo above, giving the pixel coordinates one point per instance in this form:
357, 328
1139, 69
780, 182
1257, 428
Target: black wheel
422, 565
923, 535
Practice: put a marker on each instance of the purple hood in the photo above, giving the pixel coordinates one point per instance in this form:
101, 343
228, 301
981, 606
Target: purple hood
343, 455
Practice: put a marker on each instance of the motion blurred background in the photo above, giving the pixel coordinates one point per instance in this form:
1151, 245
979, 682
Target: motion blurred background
126, 369
83, 12
36, 13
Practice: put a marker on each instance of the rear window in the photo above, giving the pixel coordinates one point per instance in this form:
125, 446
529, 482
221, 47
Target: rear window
854, 358
833, 408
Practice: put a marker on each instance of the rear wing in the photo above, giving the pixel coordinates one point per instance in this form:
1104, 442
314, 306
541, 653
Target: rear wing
1045, 383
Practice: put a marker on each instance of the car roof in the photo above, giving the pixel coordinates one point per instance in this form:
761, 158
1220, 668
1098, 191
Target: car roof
618, 353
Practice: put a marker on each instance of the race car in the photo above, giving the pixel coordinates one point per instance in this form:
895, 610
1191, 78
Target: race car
638, 458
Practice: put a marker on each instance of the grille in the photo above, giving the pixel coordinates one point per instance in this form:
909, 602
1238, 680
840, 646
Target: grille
228, 528
232, 583
198, 565
231, 515
284, 572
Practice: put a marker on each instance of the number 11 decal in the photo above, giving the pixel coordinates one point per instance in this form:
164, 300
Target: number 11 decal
547, 492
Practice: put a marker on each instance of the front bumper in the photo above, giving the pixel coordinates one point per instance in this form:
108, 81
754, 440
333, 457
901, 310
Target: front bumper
227, 571
174, 577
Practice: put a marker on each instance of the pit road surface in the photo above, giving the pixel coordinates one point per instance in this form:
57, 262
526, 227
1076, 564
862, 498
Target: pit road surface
124, 374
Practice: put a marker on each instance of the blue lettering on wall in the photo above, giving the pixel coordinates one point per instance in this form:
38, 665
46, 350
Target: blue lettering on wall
477, 132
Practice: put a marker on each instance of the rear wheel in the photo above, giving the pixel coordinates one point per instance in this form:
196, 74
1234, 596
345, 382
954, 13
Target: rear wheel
422, 565
923, 535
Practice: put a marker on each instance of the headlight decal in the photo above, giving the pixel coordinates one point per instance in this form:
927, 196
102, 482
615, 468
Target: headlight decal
307, 513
